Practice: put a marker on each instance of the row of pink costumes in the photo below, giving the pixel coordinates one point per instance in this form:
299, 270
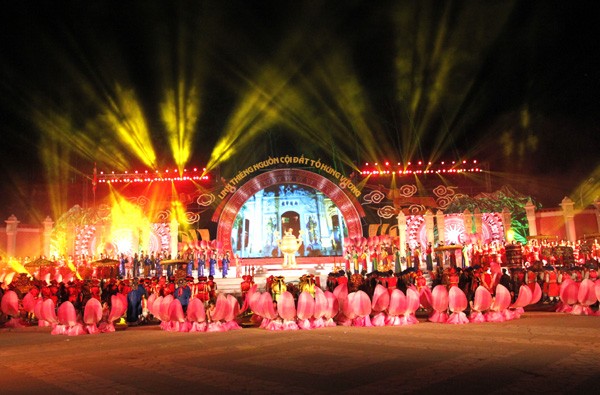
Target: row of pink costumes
577, 297
219, 318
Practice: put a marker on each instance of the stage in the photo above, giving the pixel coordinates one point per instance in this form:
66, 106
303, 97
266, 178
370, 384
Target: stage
264, 267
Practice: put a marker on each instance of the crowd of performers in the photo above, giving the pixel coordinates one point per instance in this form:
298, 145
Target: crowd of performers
380, 253
377, 299
445, 290
203, 261
208, 262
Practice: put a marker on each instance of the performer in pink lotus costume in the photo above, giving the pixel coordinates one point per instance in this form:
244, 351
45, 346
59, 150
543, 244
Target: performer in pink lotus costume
48, 312
218, 314
272, 320
439, 303
361, 306
10, 307
586, 296
92, 314
287, 311
396, 308
321, 306
500, 303
163, 310
333, 309
29, 301
426, 299
480, 304
67, 316
196, 315
412, 304
118, 308
177, 321
457, 303
233, 312
305, 310
379, 305
569, 292
341, 293
37, 311
524, 298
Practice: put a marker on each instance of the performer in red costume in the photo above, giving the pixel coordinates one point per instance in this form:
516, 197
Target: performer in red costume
342, 278
531, 279
170, 286
453, 278
212, 288
54, 292
202, 291
553, 288
488, 280
46, 292
95, 289
246, 284
420, 280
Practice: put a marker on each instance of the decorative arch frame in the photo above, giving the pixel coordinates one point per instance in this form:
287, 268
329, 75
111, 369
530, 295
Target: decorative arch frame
350, 208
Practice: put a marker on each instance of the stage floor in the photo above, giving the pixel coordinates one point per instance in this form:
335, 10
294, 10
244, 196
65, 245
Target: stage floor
539, 353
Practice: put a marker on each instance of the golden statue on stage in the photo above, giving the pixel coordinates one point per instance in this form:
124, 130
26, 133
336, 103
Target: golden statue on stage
289, 245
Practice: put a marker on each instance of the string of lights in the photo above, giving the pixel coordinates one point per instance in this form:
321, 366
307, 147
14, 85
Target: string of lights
136, 176
453, 167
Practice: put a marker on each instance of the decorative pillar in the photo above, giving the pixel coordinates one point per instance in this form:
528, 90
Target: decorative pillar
257, 225
402, 233
70, 248
48, 223
478, 223
11, 235
322, 219
507, 223
597, 206
530, 211
468, 222
429, 226
103, 235
439, 217
569, 215
174, 232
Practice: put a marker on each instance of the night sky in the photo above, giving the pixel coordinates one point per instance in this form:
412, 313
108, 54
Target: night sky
515, 84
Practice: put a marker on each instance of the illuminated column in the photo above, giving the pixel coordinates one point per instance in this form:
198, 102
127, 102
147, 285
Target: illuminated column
11, 235
246, 223
478, 223
257, 225
324, 236
506, 221
174, 232
47, 233
439, 217
569, 214
103, 238
468, 222
597, 205
402, 233
429, 226
530, 211
69, 248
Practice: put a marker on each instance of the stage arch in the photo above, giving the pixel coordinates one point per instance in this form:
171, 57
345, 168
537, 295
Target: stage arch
348, 206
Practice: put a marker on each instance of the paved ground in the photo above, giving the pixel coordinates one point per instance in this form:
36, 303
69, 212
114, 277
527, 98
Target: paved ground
540, 353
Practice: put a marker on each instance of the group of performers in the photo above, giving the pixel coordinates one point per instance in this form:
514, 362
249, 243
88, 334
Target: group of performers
539, 273
380, 254
206, 261
136, 291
